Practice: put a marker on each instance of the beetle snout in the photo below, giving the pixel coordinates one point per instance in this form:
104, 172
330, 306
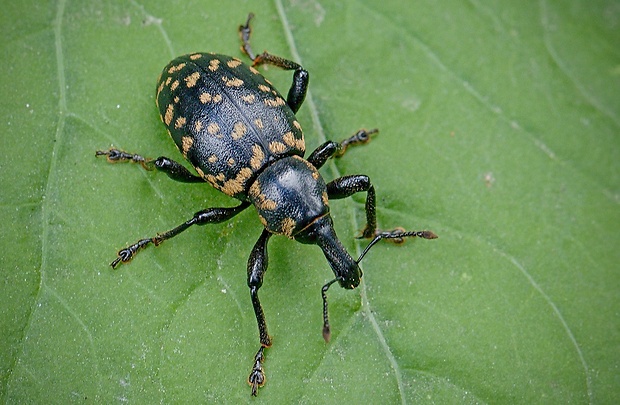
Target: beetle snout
351, 276
346, 269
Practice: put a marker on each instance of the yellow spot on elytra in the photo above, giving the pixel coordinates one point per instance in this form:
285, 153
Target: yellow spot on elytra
214, 64
257, 157
249, 98
213, 128
212, 180
233, 63
231, 162
205, 98
169, 114
293, 142
176, 68
325, 198
198, 125
234, 82
200, 172
238, 130
264, 88
159, 89
297, 125
212, 159
168, 80
259, 123
187, 143
174, 85
192, 79
256, 72
180, 122
220, 176
277, 147
195, 56
274, 102
236, 185
254, 190
176, 99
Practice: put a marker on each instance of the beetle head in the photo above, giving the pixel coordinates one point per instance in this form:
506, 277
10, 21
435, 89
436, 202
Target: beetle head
321, 232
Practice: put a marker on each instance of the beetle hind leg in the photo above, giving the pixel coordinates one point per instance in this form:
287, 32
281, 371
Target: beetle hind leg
257, 266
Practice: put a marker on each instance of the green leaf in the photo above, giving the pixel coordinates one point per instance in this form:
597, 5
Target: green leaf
499, 130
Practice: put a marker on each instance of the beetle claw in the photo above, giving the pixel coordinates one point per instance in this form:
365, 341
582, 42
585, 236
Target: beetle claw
257, 376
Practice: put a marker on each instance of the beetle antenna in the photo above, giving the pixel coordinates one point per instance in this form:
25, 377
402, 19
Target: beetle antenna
326, 330
398, 235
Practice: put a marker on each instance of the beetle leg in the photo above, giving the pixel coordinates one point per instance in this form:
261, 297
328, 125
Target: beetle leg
359, 138
301, 77
173, 169
336, 149
346, 186
208, 216
244, 32
320, 155
116, 155
257, 266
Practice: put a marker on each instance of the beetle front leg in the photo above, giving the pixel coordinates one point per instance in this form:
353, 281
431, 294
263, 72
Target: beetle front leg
336, 149
257, 266
173, 169
346, 186
208, 216
301, 77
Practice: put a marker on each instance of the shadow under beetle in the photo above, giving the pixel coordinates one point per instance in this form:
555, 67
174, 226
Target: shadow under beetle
241, 137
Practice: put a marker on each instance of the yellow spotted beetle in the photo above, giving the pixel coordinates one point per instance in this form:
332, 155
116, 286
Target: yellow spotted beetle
242, 137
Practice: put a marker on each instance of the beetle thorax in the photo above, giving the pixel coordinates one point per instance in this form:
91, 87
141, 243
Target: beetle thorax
289, 195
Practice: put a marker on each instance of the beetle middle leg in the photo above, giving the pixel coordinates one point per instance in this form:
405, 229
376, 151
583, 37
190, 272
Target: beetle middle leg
301, 77
208, 216
337, 149
257, 266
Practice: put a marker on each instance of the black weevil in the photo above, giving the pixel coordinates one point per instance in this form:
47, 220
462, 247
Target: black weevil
243, 138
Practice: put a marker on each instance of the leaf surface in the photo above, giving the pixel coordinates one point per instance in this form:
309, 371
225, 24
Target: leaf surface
499, 130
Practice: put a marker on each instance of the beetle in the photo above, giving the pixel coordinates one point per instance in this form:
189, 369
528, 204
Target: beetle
243, 138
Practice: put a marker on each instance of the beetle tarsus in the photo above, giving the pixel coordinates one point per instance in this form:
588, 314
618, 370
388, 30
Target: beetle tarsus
244, 32
257, 375
359, 138
125, 255
114, 155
